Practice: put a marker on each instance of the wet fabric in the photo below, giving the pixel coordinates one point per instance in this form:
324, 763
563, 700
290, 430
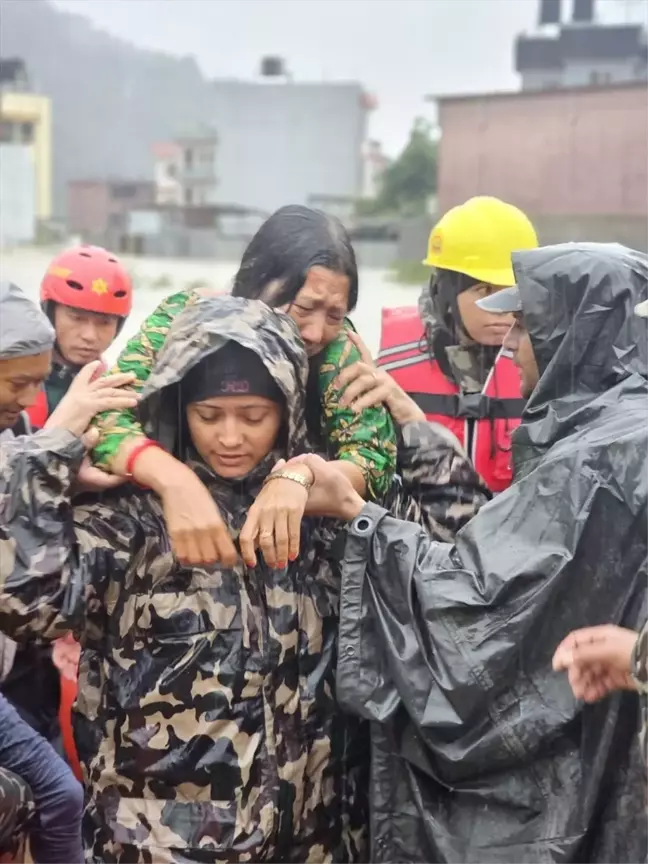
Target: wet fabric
24, 329
16, 812
483, 754
206, 720
437, 486
640, 672
47, 800
367, 440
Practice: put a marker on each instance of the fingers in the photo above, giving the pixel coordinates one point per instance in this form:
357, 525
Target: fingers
267, 536
352, 372
361, 385
281, 538
113, 400
90, 439
86, 374
227, 553
248, 537
118, 379
294, 530
378, 395
587, 645
365, 353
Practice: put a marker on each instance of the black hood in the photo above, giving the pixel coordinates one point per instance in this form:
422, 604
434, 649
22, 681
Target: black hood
578, 302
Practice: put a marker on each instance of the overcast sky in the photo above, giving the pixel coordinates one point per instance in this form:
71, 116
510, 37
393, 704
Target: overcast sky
399, 49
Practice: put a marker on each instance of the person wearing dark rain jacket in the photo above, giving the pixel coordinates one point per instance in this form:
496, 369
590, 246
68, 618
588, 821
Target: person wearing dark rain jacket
603, 659
480, 751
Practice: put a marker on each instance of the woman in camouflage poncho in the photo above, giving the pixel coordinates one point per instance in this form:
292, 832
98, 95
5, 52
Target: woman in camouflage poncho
206, 722
300, 261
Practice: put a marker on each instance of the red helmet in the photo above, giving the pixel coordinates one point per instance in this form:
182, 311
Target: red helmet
89, 278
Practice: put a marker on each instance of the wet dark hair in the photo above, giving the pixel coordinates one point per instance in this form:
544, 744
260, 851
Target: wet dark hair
276, 262
275, 265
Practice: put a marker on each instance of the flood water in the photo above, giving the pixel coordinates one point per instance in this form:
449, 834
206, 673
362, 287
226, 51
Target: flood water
155, 278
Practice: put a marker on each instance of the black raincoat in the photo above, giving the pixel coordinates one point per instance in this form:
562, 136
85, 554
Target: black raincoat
480, 751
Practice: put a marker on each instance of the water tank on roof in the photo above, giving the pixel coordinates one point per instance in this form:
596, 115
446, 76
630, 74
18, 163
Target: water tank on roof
273, 67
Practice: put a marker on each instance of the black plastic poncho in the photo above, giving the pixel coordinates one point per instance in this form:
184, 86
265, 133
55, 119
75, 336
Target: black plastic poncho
480, 751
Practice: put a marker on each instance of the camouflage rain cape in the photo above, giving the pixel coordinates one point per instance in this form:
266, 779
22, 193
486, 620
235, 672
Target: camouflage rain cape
480, 753
206, 722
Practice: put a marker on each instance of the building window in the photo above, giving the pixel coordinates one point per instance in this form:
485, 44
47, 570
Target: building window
188, 159
6, 132
124, 190
189, 197
27, 133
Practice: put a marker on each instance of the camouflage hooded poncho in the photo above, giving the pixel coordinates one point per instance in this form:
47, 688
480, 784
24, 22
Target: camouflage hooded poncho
206, 721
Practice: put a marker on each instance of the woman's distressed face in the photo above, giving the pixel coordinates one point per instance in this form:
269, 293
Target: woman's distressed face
320, 307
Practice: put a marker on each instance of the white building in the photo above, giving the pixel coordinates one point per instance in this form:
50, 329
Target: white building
185, 171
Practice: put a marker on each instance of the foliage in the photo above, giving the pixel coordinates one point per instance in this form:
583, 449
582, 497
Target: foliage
410, 181
409, 273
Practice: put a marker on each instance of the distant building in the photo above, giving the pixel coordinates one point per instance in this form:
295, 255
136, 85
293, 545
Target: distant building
25, 155
95, 207
375, 165
185, 232
288, 142
574, 159
580, 52
185, 171
166, 174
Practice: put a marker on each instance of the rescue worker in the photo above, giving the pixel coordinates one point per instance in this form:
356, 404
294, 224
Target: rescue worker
600, 660
87, 295
38, 794
206, 719
300, 261
447, 355
480, 752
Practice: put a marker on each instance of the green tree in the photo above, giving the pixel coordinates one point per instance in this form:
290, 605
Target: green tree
408, 183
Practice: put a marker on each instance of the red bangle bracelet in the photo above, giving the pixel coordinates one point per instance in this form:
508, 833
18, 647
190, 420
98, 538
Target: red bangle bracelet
136, 451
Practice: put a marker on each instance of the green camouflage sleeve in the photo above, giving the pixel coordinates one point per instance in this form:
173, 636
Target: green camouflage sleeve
368, 439
51, 569
139, 357
438, 487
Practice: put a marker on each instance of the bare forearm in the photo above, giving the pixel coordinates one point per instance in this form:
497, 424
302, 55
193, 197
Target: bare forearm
153, 468
320, 505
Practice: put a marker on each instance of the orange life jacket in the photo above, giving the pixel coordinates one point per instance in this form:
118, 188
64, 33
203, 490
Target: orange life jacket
494, 413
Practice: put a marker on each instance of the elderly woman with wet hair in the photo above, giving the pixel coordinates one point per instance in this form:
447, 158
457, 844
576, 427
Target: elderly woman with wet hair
301, 261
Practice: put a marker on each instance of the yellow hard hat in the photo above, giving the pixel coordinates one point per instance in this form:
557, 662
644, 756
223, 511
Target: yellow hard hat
478, 237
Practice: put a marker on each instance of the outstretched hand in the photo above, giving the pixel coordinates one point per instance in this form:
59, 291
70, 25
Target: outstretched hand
273, 523
598, 661
364, 385
90, 395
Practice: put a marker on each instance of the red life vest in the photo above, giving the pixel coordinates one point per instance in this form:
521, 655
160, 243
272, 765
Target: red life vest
39, 411
494, 413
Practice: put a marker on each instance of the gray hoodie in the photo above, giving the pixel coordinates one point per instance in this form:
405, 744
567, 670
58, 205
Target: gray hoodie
24, 332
